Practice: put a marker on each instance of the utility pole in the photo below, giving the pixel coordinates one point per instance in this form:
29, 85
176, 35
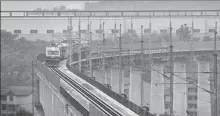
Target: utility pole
100, 27
192, 39
90, 53
69, 36
131, 30
215, 72
33, 86
103, 52
114, 38
131, 23
205, 27
132, 40
120, 65
150, 39
131, 33
124, 24
192, 30
88, 31
79, 48
142, 66
171, 72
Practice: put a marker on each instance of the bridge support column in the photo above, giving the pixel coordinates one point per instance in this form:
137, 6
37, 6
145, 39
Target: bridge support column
180, 89
126, 80
108, 76
135, 86
204, 108
191, 77
115, 79
157, 90
99, 75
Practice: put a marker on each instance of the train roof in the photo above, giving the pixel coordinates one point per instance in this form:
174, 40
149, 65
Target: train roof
52, 48
62, 44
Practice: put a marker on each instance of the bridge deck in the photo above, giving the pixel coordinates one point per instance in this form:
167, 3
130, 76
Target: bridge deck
78, 97
177, 46
125, 111
181, 49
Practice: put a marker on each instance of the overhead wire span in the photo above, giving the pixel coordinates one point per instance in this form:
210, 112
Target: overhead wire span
166, 77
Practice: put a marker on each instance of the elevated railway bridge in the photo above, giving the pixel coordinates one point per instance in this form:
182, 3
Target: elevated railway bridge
131, 53
63, 79
57, 91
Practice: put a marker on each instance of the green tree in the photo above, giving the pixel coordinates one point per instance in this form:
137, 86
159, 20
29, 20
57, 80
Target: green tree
23, 112
184, 33
16, 57
62, 8
207, 38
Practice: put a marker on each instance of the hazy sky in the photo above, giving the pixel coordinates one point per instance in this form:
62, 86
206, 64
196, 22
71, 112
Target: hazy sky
30, 5
59, 25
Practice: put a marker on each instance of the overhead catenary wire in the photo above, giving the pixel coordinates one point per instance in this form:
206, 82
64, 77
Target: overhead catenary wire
165, 76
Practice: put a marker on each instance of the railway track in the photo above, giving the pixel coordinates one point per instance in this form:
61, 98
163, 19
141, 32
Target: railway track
101, 105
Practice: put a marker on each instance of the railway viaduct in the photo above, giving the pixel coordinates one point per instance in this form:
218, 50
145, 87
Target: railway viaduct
49, 87
52, 96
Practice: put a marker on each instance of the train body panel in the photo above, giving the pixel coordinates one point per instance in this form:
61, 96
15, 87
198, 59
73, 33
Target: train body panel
60, 51
64, 50
55, 53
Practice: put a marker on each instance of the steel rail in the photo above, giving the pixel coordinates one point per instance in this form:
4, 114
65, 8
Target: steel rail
104, 107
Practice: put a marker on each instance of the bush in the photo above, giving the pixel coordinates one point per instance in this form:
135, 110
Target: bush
16, 58
23, 112
207, 38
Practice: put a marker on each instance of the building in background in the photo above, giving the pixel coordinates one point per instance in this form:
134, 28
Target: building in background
15, 98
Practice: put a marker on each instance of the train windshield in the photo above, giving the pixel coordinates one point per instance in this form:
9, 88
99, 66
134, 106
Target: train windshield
53, 52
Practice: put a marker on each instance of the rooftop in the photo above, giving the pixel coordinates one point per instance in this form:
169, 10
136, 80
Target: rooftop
17, 90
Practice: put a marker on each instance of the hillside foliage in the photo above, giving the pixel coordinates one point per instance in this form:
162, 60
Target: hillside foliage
23, 112
16, 58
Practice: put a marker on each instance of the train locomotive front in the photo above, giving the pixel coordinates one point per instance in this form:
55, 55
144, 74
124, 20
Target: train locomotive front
55, 53
53, 56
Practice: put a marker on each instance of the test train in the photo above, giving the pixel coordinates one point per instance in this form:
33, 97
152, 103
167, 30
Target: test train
55, 53
60, 51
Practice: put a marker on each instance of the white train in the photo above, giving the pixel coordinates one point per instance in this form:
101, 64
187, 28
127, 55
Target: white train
55, 53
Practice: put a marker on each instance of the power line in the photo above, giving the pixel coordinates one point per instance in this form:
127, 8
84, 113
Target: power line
166, 77
196, 97
182, 79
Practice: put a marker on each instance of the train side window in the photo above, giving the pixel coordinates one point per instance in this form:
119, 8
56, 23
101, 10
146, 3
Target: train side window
50, 31
33, 31
17, 31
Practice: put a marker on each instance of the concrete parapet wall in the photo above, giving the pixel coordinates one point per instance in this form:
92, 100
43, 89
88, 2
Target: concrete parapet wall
49, 75
52, 101
94, 111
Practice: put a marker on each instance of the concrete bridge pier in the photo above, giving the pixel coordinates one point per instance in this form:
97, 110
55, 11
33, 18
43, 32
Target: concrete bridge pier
157, 89
127, 71
115, 79
204, 108
147, 93
99, 75
179, 89
135, 86
103, 77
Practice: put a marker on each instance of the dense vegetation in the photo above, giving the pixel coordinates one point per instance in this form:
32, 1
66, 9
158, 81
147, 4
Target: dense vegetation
16, 58
23, 112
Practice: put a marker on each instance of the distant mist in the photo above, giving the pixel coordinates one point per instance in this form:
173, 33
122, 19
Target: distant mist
59, 8
152, 5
